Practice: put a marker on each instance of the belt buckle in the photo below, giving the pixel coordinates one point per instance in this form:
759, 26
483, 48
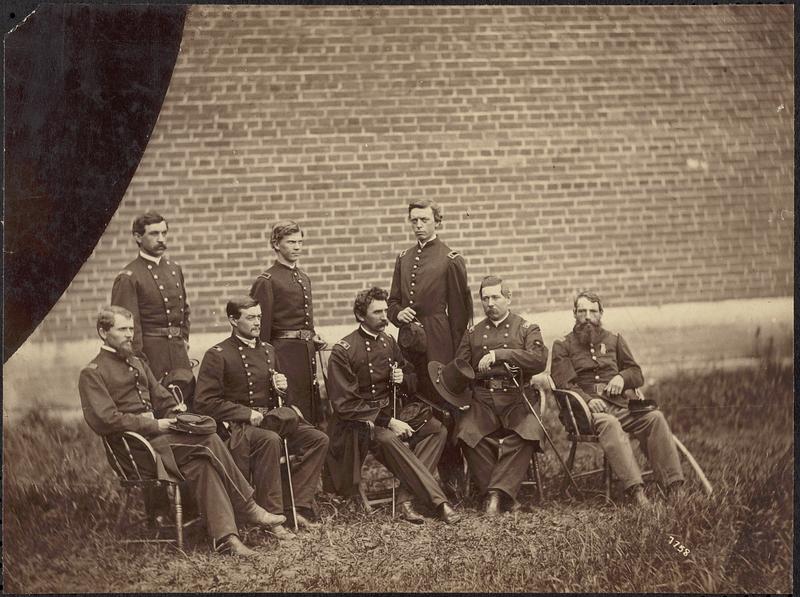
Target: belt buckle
173, 331
305, 334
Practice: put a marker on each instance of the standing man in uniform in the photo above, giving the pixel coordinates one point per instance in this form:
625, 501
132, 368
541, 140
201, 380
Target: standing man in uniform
363, 368
151, 287
239, 385
284, 293
429, 286
598, 365
498, 432
119, 393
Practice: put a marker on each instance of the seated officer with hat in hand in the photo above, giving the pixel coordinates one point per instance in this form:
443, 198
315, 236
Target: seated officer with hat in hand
598, 365
120, 393
362, 370
239, 386
497, 431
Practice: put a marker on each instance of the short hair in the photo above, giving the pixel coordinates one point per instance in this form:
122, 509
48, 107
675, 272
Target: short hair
235, 307
283, 229
425, 203
365, 297
150, 217
492, 280
590, 295
105, 318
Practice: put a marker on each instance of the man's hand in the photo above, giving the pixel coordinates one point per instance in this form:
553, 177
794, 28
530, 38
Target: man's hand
486, 362
319, 343
178, 408
407, 315
397, 376
597, 405
615, 386
256, 418
279, 381
400, 428
163, 424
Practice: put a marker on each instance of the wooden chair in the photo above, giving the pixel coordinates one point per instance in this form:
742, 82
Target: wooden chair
534, 478
133, 460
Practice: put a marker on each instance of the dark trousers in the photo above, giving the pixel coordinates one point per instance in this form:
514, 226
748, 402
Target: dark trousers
413, 462
218, 487
499, 463
308, 444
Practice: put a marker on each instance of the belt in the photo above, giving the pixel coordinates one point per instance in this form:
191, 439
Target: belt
298, 334
168, 332
496, 384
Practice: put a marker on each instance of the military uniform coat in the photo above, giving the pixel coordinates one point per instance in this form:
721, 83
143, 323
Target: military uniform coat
516, 342
433, 281
284, 294
156, 295
580, 368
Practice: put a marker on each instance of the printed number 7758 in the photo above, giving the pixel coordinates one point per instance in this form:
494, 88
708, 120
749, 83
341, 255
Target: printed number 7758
682, 549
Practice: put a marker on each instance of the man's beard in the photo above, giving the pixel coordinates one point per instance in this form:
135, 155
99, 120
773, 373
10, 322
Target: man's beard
125, 350
587, 333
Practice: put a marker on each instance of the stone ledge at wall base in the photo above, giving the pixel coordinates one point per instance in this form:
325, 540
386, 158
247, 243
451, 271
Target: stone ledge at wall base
665, 339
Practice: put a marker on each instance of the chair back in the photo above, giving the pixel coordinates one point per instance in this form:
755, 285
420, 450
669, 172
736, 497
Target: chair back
131, 457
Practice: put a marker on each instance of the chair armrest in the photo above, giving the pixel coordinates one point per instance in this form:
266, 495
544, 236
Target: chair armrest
570, 401
143, 440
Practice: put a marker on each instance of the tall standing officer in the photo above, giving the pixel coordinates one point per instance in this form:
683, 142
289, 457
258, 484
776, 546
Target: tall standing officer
429, 286
152, 288
284, 293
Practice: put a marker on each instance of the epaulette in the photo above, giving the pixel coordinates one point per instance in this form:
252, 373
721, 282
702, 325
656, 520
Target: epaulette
217, 348
91, 366
127, 272
265, 275
344, 344
403, 252
453, 254
525, 325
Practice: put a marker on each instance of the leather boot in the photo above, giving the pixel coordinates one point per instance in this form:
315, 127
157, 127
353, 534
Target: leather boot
282, 533
408, 513
492, 503
638, 497
255, 514
232, 545
448, 515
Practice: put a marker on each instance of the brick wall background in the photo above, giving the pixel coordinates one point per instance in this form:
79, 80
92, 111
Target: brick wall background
643, 151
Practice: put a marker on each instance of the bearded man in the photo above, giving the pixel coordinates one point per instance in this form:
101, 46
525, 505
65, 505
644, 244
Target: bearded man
598, 365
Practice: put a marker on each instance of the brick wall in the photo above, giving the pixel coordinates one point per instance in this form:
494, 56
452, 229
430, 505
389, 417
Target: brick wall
644, 151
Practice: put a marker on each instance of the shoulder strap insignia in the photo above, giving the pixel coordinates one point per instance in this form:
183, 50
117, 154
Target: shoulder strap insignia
403, 252
525, 325
217, 348
91, 366
453, 254
471, 329
344, 344
126, 272
265, 275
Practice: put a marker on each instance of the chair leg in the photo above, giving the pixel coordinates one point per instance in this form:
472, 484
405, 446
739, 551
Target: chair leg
175, 495
537, 476
607, 476
570, 463
123, 512
364, 499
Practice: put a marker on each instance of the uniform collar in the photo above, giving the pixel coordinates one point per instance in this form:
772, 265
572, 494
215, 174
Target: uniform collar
109, 349
363, 331
146, 257
430, 241
281, 263
251, 343
497, 323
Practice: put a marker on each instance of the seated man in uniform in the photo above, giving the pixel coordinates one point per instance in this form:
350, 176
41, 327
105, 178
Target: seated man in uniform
598, 365
363, 368
498, 432
239, 386
119, 393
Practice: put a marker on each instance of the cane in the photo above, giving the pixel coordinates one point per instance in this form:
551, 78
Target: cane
392, 369
288, 465
512, 372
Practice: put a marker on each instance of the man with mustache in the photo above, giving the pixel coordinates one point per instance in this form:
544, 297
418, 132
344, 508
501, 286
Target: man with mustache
284, 293
598, 365
362, 369
152, 288
498, 432
239, 385
119, 393
429, 286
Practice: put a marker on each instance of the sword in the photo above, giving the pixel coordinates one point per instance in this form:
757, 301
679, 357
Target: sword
286, 455
392, 369
513, 372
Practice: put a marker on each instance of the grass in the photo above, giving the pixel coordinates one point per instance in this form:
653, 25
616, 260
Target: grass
60, 500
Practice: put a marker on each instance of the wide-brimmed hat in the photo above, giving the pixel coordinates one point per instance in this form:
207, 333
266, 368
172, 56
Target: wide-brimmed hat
452, 381
412, 338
